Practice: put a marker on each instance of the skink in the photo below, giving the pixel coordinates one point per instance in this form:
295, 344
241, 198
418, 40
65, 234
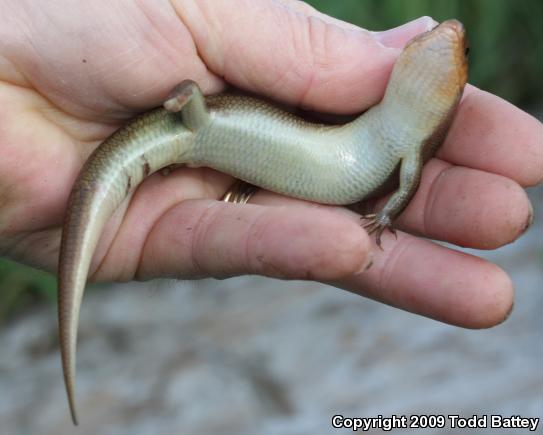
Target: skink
260, 144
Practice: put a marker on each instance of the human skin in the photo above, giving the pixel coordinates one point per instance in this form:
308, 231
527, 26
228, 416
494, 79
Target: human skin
71, 73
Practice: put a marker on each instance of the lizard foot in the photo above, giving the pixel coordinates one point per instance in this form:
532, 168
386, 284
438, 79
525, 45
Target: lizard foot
377, 223
180, 96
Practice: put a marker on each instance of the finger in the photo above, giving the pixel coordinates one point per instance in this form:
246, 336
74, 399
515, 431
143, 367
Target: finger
424, 278
464, 206
434, 281
467, 207
491, 134
396, 37
316, 63
199, 238
309, 11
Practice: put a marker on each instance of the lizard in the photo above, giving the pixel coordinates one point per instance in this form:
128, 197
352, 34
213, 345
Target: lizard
382, 150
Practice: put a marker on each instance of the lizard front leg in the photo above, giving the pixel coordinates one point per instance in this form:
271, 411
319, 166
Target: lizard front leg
410, 170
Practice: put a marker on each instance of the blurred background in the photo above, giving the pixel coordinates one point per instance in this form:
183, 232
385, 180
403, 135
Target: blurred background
220, 357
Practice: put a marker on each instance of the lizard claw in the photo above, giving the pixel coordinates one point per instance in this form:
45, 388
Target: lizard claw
377, 223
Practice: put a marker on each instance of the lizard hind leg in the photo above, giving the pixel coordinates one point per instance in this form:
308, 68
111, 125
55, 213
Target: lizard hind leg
188, 99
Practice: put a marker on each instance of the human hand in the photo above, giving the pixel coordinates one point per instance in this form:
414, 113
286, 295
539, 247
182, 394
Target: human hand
71, 74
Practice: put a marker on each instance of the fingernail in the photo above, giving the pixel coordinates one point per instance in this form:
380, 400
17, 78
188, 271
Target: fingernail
529, 219
399, 36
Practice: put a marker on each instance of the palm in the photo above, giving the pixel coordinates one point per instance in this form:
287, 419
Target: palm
70, 76
72, 99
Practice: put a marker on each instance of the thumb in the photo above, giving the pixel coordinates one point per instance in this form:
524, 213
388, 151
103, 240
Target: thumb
295, 54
